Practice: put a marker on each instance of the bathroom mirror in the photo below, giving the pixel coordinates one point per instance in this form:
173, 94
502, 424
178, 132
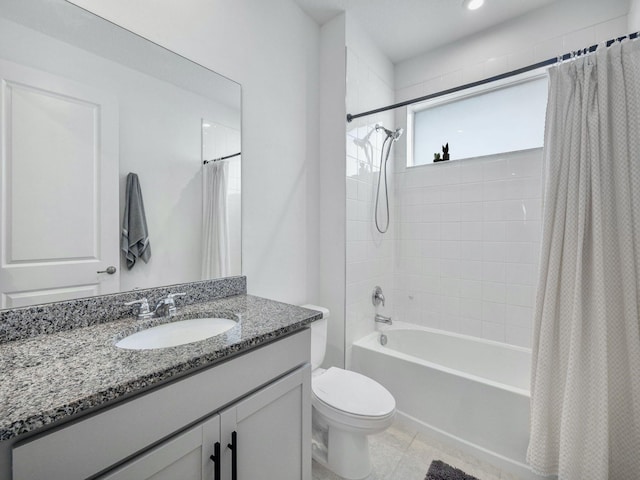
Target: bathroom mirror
83, 103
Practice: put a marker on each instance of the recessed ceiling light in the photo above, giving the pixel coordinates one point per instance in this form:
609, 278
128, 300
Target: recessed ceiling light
472, 4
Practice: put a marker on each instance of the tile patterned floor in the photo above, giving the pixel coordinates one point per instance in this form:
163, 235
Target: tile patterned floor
402, 454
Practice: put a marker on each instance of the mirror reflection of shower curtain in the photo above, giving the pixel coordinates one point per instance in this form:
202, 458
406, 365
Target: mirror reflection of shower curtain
215, 225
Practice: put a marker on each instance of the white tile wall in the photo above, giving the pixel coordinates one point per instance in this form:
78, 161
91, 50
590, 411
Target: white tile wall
369, 253
468, 233
468, 237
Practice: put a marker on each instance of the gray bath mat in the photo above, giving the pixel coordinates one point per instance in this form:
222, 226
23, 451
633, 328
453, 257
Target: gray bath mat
442, 471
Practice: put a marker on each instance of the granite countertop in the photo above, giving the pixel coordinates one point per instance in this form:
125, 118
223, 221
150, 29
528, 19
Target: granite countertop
50, 377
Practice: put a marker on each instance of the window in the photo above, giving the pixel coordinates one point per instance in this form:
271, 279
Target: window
487, 120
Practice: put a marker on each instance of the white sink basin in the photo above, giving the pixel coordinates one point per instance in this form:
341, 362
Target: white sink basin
176, 333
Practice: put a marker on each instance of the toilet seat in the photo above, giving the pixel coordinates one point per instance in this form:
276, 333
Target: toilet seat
353, 423
349, 394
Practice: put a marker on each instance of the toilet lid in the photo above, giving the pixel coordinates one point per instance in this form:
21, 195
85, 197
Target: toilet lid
353, 393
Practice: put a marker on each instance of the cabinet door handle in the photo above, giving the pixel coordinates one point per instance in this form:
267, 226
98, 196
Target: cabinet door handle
233, 446
215, 458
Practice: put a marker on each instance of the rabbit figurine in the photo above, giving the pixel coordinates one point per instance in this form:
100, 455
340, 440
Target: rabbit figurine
445, 152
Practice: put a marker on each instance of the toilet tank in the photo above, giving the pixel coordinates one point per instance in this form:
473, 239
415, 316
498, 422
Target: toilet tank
318, 336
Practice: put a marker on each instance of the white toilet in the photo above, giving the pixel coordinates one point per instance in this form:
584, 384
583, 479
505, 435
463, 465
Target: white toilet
347, 407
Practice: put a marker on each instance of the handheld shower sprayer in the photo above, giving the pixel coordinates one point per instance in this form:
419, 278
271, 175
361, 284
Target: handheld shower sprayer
394, 135
384, 157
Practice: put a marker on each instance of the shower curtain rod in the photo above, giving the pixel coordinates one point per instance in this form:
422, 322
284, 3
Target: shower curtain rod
204, 162
502, 76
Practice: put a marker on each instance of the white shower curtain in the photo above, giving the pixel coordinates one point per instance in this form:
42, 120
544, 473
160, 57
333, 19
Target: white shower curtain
215, 227
585, 407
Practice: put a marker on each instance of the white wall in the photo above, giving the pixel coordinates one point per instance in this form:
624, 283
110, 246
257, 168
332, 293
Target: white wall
369, 253
477, 277
332, 184
634, 16
272, 49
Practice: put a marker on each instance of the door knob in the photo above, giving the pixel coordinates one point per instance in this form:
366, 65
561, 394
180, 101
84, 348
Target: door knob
110, 270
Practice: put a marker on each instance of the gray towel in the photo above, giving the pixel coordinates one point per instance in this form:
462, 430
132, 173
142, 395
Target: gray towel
135, 236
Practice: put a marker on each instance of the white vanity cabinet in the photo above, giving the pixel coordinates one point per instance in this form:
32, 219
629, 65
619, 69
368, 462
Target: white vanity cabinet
256, 405
262, 436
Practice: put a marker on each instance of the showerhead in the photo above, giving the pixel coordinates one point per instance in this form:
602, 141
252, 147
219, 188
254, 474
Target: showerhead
391, 134
384, 158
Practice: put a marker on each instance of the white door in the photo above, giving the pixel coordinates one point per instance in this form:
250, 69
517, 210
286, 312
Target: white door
58, 188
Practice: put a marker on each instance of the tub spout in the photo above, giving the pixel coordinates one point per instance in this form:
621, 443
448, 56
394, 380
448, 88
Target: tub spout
382, 319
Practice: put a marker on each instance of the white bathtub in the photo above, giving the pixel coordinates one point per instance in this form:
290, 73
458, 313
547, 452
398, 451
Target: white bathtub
468, 392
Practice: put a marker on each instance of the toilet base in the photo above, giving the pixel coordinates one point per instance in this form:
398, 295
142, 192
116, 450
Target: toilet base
347, 454
347, 407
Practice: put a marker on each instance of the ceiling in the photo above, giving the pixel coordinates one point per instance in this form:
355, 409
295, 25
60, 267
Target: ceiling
405, 28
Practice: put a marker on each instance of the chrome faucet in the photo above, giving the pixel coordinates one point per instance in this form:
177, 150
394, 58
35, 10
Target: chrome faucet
167, 306
142, 311
377, 297
382, 319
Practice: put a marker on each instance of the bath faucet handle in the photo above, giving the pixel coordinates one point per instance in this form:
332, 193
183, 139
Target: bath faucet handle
166, 307
142, 311
170, 297
377, 297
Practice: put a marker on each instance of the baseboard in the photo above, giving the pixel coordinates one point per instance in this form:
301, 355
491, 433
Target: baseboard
520, 470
